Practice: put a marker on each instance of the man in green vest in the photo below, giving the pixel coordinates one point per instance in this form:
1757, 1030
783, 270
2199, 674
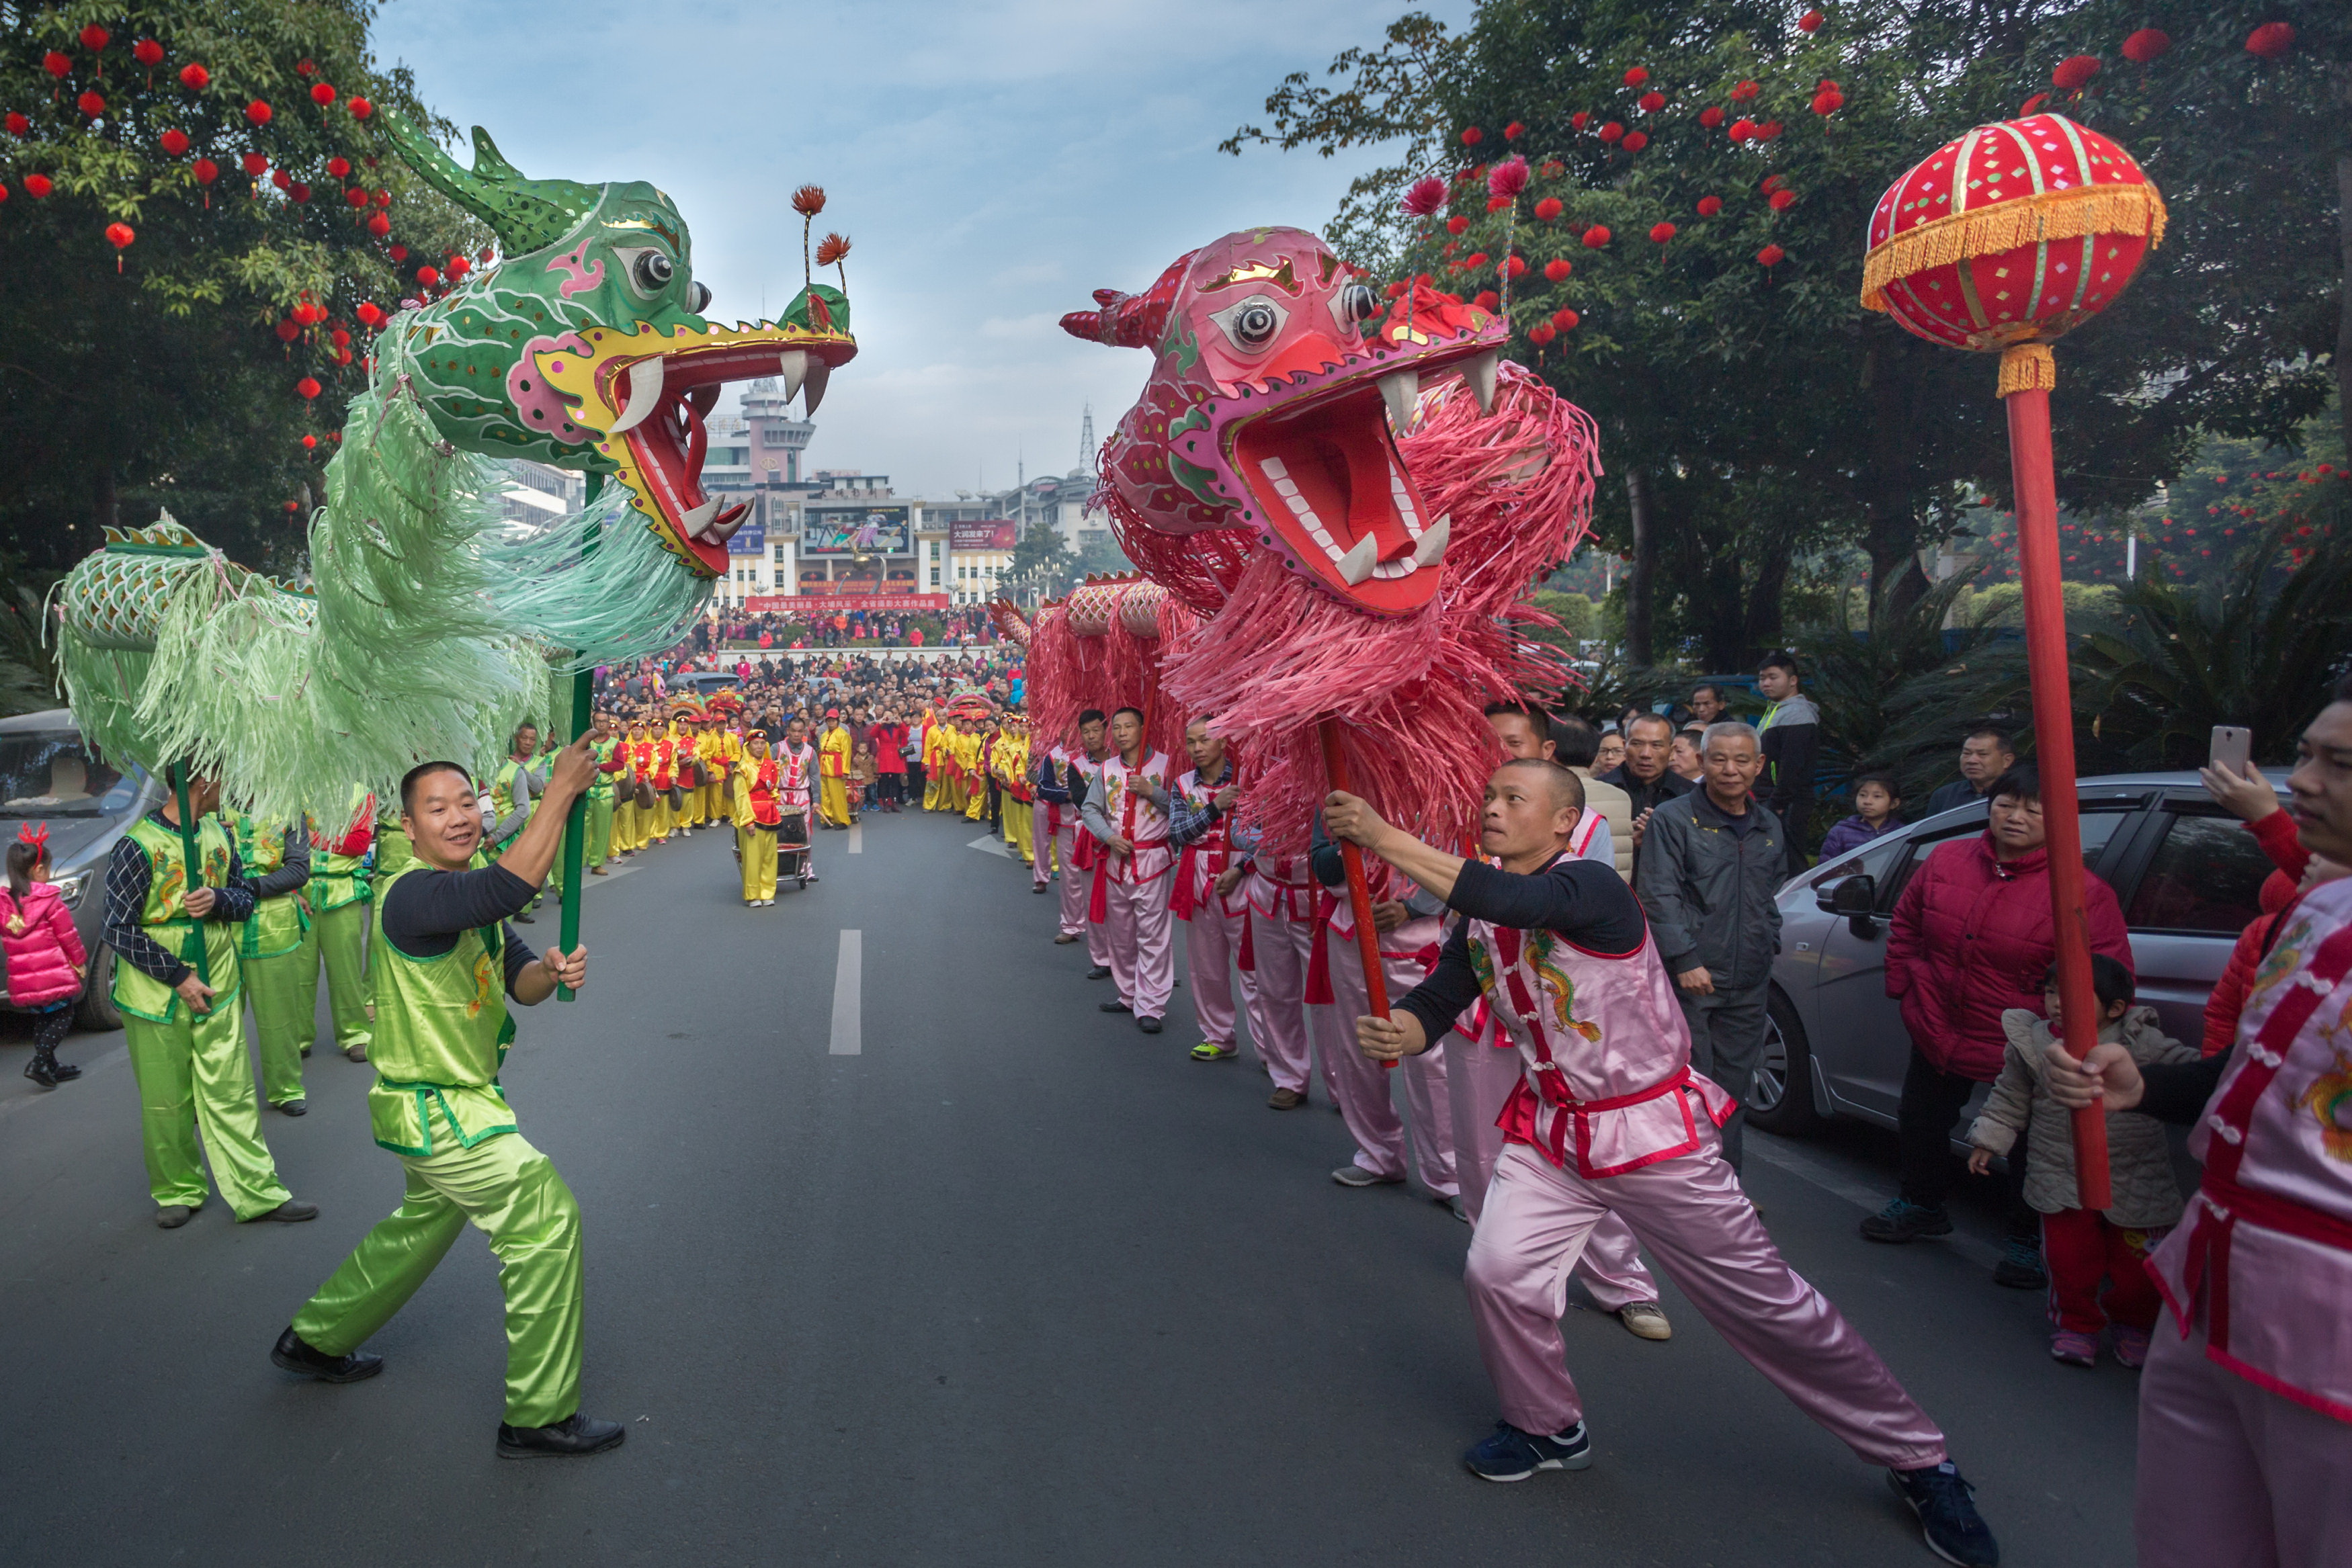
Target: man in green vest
277, 954
186, 1031
446, 968
339, 911
604, 739
513, 789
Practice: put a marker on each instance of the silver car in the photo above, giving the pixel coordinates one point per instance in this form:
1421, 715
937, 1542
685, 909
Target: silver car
2188, 875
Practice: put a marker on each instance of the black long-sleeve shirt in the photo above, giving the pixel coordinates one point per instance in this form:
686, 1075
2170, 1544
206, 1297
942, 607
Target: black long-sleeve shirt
293, 876
128, 878
2176, 1092
428, 910
1584, 900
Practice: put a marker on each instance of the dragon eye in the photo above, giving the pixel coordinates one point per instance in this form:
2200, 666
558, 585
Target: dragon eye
700, 299
1255, 322
1359, 303
654, 270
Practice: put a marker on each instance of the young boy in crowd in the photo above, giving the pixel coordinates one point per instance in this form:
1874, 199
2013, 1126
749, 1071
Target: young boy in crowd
1874, 805
2085, 1247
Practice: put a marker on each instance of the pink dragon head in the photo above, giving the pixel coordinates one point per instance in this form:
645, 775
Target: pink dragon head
1274, 383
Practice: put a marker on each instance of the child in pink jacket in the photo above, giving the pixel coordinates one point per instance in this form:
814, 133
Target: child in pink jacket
45, 956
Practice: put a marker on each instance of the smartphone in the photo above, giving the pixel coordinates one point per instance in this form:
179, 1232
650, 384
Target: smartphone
2232, 747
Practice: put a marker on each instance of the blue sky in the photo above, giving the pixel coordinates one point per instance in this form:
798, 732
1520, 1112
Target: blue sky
992, 164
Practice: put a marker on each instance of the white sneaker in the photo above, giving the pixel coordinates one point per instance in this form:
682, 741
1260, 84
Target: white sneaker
1353, 1174
1645, 1319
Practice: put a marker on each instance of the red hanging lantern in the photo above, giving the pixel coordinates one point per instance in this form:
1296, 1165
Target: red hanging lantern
322, 94
1636, 76
1771, 255
58, 65
1595, 237
1581, 119
370, 313
2271, 40
1661, 232
1811, 22
288, 329
2074, 72
254, 163
1709, 205
356, 197
1965, 252
1565, 320
1540, 333
309, 444
298, 191
91, 104
1485, 299
258, 112
205, 170
1457, 224
281, 179
1711, 116
1784, 200
1742, 130
196, 79
18, 126
94, 37
360, 108
306, 389
428, 275
383, 198
378, 225
173, 141
1746, 91
339, 338
400, 253
1828, 101
458, 267
1549, 209
1557, 268
120, 237
1769, 130
339, 167
147, 52
37, 185
1650, 102
2148, 44
1635, 140
1612, 131
1514, 131
1471, 136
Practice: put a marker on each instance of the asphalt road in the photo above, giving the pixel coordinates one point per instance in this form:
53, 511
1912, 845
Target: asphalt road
1013, 1284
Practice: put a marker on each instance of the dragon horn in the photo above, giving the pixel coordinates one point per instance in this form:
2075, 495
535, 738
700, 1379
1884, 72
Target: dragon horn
526, 214
1130, 320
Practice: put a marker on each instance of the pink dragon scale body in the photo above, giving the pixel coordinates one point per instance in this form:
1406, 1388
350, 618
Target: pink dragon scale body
1354, 498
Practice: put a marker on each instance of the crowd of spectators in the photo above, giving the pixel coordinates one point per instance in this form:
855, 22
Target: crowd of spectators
822, 626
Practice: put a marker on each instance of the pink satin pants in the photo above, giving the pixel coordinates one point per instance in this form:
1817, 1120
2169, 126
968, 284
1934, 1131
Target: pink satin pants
1278, 1004
1142, 936
1361, 1088
1211, 939
1690, 1212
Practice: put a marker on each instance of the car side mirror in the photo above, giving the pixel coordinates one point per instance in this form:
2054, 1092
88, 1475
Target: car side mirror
1856, 894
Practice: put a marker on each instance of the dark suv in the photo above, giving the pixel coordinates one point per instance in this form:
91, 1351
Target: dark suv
50, 774
2188, 875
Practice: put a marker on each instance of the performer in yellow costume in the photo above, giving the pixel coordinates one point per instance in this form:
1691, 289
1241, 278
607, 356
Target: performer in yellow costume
832, 770
1012, 779
759, 788
934, 785
975, 773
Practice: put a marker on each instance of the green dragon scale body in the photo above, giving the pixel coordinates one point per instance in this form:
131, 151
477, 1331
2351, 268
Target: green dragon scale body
430, 625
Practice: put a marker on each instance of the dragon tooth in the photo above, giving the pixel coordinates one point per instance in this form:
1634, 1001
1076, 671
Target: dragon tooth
792, 366
645, 393
1358, 563
819, 372
1432, 548
722, 528
1480, 373
1400, 390
695, 521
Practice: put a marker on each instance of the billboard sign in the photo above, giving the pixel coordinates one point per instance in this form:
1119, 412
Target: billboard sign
995, 535
751, 538
842, 603
857, 530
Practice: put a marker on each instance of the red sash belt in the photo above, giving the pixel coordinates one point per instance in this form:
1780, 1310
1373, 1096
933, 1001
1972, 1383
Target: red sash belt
1180, 902
1246, 961
1318, 962
1098, 896
1545, 1076
2221, 1205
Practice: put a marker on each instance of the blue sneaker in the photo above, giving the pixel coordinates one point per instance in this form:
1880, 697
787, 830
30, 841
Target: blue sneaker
1947, 1511
1902, 1220
1511, 1455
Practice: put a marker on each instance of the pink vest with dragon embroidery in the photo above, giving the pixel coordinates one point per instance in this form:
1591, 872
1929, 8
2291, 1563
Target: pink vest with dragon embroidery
1135, 819
2268, 1242
1606, 1080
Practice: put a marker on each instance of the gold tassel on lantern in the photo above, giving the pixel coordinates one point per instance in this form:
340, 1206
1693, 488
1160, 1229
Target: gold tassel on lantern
2028, 367
2005, 226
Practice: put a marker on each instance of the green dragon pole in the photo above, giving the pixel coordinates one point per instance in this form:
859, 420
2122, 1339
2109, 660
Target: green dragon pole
428, 623
196, 866
576, 826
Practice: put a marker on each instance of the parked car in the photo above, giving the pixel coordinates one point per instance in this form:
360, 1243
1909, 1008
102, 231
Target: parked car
2188, 875
48, 773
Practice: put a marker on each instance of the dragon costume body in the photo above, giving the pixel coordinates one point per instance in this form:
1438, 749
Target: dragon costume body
1353, 498
429, 626
1104, 647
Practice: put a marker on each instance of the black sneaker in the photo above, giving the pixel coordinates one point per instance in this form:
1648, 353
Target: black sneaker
294, 1355
574, 1437
1902, 1220
1945, 1508
1100, 972
2020, 1268
1113, 1008
1511, 1455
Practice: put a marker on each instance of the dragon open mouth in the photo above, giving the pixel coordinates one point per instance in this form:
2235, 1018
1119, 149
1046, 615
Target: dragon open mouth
647, 392
1325, 471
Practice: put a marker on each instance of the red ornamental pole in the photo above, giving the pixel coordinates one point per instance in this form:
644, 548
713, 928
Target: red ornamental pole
2032, 475
2003, 239
1359, 887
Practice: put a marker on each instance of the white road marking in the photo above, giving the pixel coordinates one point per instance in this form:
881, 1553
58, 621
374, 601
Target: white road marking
857, 838
1837, 1183
848, 1033
992, 844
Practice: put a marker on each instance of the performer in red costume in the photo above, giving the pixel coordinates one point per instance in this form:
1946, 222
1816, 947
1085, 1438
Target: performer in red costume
1608, 1115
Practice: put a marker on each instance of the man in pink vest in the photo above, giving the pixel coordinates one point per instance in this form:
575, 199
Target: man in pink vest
1608, 1117
2245, 1405
1129, 818
1214, 910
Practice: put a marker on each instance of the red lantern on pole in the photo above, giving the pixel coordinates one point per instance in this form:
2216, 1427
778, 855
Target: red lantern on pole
2002, 242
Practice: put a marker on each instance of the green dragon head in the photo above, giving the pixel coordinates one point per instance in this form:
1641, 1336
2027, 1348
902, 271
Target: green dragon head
585, 346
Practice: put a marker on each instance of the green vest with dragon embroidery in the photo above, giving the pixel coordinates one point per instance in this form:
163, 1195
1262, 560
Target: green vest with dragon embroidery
338, 880
166, 918
441, 1031
277, 926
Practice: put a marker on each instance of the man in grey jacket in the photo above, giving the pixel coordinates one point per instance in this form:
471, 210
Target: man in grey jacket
1711, 861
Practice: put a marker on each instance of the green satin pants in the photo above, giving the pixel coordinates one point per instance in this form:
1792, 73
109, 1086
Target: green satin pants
512, 1195
193, 1076
284, 991
340, 934
599, 831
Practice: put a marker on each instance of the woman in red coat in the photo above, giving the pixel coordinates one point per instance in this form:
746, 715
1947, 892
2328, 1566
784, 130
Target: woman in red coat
1972, 937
